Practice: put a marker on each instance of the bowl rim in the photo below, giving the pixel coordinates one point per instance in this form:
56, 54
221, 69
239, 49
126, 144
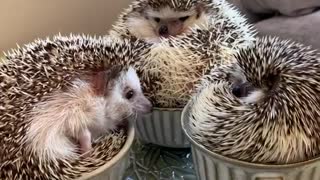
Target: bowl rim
167, 109
123, 151
237, 162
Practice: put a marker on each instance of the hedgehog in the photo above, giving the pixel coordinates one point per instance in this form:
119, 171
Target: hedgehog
178, 62
94, 105
262, 108
69, 71
153, 20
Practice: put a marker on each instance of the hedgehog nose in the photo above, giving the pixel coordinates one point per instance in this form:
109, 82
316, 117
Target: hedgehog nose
143, 105
147, 107
164, 31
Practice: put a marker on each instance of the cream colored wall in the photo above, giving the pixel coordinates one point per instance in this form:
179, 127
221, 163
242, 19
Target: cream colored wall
21, 21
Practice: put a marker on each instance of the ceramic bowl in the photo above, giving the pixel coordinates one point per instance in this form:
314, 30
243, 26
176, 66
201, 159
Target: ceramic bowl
116, 167
162, 127
212, 166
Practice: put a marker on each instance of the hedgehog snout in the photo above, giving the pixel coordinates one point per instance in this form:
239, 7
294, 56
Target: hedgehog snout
164, 31
143, 105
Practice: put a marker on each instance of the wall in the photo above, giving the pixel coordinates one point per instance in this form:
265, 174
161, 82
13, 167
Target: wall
22, 21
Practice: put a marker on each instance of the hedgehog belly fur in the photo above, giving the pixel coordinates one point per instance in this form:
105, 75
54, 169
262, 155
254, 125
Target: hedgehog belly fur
60, 117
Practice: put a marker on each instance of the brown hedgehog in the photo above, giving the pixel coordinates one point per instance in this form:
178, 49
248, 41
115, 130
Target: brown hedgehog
265, 108
64, 89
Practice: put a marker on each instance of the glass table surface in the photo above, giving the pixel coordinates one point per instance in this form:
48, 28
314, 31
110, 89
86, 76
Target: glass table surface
152, 162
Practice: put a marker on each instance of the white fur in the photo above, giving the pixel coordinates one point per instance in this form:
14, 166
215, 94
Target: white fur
254, 96
133, 79
141, 28
62, 115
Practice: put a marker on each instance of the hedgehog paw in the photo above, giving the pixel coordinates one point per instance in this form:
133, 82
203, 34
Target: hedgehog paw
85, 141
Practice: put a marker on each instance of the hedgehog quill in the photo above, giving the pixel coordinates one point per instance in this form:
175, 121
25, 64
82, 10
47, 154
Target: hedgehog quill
264, 108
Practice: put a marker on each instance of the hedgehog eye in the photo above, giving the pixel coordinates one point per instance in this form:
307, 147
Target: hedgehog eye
156, 19
242, 90
129, 94
237, 91
184, 18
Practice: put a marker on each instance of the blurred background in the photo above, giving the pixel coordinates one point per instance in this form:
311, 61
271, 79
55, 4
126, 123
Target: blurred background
23, 21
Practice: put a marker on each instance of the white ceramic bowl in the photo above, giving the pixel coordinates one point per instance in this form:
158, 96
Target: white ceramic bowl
212, 166
162, 127
116, 167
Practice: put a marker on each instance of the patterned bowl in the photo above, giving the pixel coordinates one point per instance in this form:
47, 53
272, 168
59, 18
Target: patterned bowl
116, 167
211, 166
162, 127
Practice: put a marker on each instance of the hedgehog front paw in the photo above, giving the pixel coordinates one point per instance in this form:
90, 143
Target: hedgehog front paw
85, 142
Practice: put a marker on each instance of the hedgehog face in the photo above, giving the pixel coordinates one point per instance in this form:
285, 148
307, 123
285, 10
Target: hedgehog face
126, 98
241, 88
153, 24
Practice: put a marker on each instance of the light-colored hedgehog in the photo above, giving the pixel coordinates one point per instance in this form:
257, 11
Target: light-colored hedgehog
215, 32
93, 106
58, 91
265, 108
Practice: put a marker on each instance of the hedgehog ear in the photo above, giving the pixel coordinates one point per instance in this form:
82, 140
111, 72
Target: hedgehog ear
99, 83
143, 13
199, 9
102, 81
114, 72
